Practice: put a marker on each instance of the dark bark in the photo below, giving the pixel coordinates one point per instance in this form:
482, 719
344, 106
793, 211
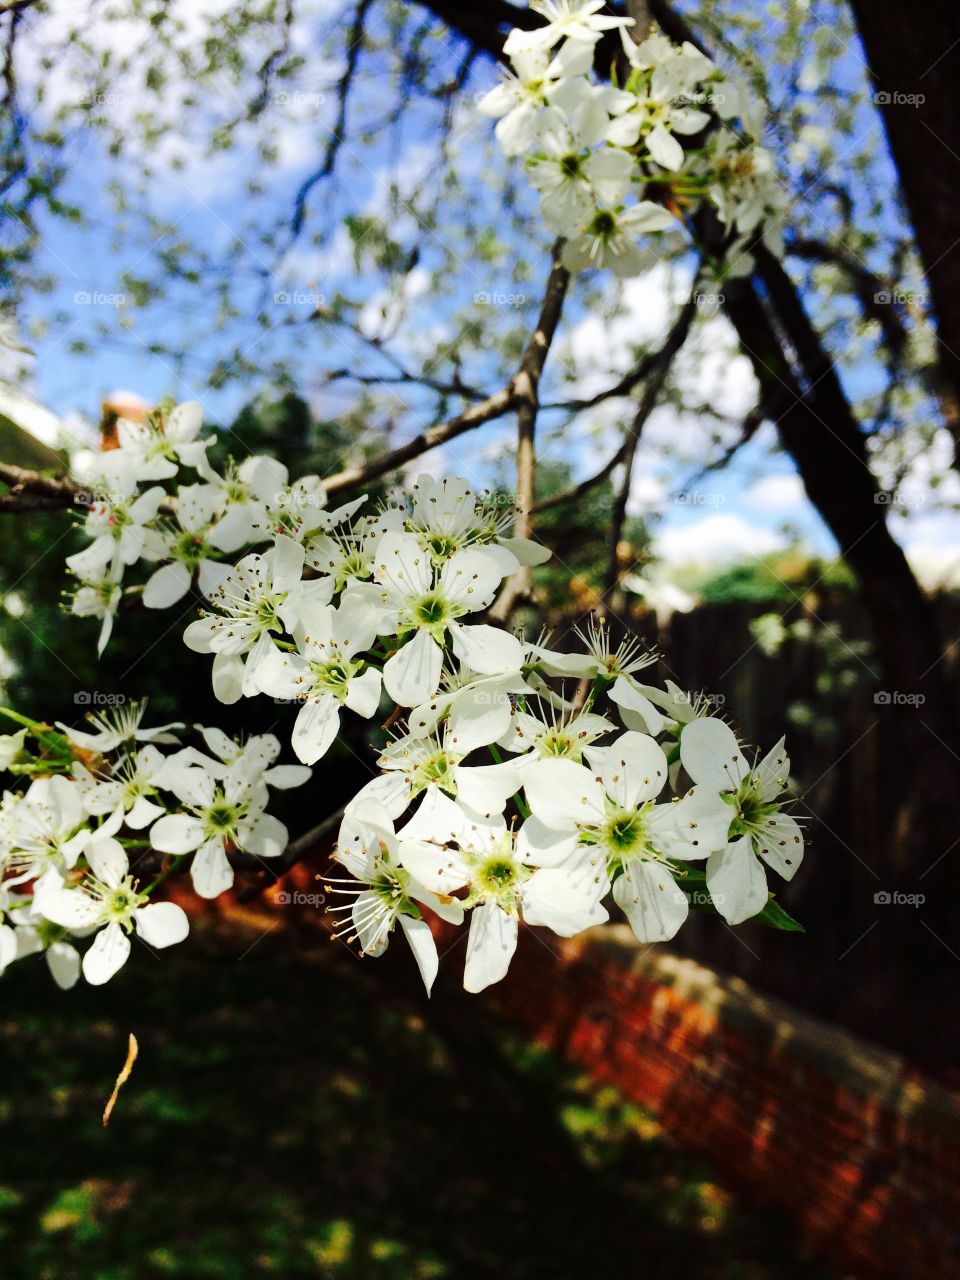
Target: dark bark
912, 52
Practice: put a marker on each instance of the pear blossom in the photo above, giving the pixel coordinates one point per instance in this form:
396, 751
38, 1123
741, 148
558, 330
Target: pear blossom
108, 901
414, 766
119, 726
574, 20
517, 101
423, 606
759, 831
489, 860
615, 810
98, 596
193, 548
369, 849
154, 450
326, 673
43, 830
131, 787
117, 524
610, 238
260, 597
218, 813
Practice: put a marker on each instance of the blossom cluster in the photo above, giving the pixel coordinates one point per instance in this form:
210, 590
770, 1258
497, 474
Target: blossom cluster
97, 805
521, 783
617, 789
613, 164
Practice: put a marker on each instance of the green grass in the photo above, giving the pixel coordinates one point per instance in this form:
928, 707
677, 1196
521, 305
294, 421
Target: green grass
297, 1112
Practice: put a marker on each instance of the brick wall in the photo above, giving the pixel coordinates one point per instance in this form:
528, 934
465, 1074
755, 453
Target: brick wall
859, 1148
863, 1152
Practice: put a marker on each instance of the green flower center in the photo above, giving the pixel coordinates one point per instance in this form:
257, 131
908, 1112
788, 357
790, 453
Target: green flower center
431, 611
625, 832
570, 166
604, 224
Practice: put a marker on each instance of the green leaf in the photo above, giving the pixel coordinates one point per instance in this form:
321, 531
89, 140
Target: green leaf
778, 917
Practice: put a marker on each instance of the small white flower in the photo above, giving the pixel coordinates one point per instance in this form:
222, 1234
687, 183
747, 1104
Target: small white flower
326, 673
191, 549
153, 450
758, 828
108, 901
44, 831
574, 20
117, 524
517, 102
132, 783
424, 607
98, 596
615, 811
610, 239
223, 813
369, 849
119, 726
260, 597
504, 886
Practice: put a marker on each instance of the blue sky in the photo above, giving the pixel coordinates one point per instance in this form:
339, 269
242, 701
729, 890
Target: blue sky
743, 508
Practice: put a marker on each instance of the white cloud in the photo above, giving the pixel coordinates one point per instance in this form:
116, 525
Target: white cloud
715, 538
780, 492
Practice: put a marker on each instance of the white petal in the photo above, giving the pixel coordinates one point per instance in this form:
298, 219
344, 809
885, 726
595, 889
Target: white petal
664, 148
486, 788
176, 833
316, 726
166, 585
542, 846
491, 942
710, 753
736, 881
487, 650
109, 953
363, 693
227, 677
402, 565
781, 844
411, 675
63, 961
161, 924
286, 777
423, 947
210, 870
437, 869
108, 862
649, 897
266, 838
563, 900
637, 710
563, 795
633, 769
